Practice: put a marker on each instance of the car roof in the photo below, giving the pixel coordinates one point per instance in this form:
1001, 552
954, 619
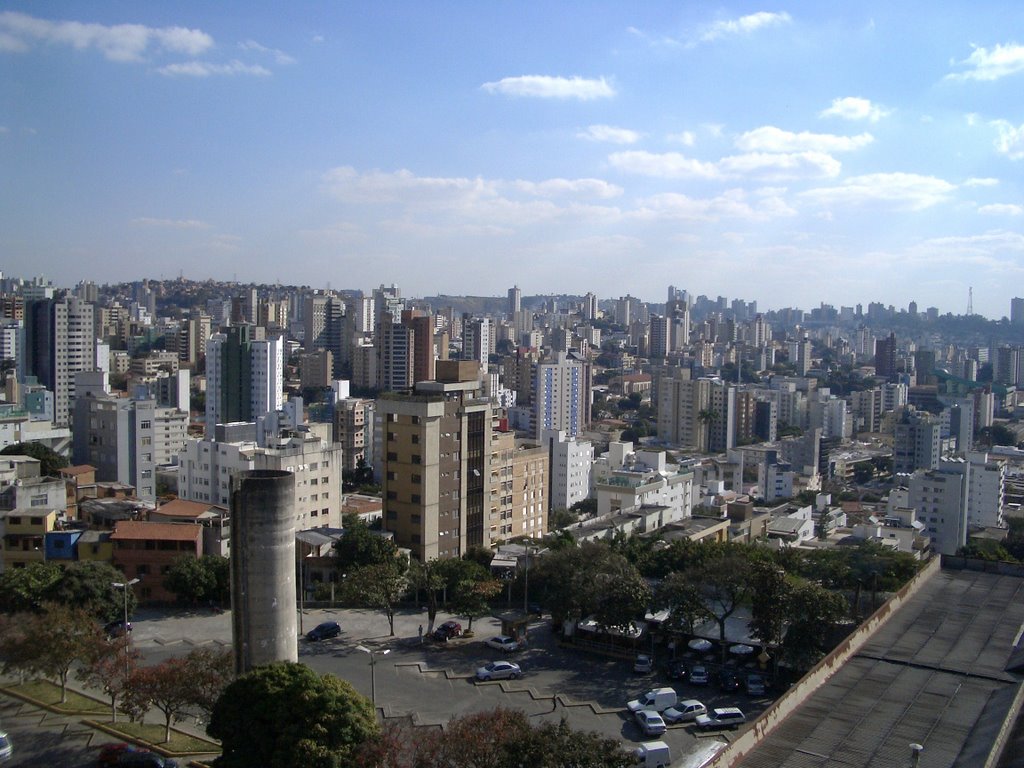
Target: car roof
728, 711
689, 703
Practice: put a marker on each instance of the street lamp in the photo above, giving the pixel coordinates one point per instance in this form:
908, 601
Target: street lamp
373, 665
124, 627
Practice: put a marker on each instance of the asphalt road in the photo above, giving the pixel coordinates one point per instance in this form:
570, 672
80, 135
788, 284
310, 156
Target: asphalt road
428, 683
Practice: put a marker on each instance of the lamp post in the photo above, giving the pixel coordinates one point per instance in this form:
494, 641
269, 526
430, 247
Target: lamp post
125, 586
373, 666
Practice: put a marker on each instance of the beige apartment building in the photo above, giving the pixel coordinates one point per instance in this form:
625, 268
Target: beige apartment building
518, 488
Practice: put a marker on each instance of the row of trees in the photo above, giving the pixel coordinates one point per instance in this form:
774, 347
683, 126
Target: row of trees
82, 584
375, 575
285, 714
58, 640
793, 596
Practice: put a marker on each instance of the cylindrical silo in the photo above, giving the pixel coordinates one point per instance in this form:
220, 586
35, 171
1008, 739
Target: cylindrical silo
263, 568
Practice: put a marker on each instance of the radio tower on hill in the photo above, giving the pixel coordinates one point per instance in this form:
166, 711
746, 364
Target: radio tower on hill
970, 301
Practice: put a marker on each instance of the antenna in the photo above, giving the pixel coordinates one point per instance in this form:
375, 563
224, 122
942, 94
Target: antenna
970, 301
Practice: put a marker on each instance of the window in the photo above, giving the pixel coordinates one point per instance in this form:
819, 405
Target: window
415, 439
392, 437
392, 456
145, 424
391, 475
416, 498
393, 495
39, 501
417, 459
417, 479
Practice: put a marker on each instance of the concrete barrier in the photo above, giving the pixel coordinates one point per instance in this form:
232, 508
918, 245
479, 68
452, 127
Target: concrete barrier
821, 672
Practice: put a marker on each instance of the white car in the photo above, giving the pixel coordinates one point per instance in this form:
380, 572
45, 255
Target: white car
723, 717
6, 748
684, 711
499, 670
503, 643
651, 723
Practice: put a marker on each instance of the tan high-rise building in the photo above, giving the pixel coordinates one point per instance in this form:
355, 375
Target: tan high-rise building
435, 452
519, 483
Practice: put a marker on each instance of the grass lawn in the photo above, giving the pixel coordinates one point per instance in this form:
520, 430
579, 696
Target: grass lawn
153, 733
49, 693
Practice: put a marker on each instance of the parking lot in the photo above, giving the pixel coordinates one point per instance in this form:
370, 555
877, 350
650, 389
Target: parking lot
430, 682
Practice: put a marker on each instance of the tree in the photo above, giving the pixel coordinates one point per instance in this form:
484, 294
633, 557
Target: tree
50, 462
472, 598
812, 611
25, 589
725, 583
107, 665
427, 577
87, 584
209, 672
199, 580
680, 595
379, 586
70, 633
360, 546
17, 643
769, 603
166, 686
285, 714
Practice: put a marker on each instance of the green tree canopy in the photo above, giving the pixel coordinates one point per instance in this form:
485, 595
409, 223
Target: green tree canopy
380, 585
50, 462
89, 584
360, 546
25, 589
199, 580
285, 714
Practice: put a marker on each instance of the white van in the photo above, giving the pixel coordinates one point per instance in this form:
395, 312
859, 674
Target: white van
653, 754
657, 700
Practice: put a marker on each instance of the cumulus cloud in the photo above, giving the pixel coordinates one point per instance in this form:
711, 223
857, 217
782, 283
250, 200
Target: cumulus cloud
855, 108
558, 187
788, 165
279, 56
171, 223
981, 182
1010, 140
120, 42
610, 134
903, 190
731, 204
548, 87
745, 24
208, 69
985, 64
771, 139
668, 165
767, 165
1001, 209
686, 138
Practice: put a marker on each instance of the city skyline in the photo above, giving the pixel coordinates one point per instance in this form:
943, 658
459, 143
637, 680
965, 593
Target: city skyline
791, 154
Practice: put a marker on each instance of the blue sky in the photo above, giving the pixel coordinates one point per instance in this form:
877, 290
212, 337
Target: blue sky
791, 153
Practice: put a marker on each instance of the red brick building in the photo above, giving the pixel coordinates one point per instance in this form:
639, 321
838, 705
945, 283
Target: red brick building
146, 551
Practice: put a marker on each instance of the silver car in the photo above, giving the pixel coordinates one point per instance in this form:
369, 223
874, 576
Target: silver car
499, 670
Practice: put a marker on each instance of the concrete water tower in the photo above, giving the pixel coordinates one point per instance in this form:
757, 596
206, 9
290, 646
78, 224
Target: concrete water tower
263, 568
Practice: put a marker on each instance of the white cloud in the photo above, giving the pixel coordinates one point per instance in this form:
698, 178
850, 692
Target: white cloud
171, 223
609, 134
557, 187
981, 182
207, 68
279, 56
771, 139
745, 24
686, 138
669, 165
547, 87
120, 42
1001, 209
855, 108
904, 190
985, 64
782, 165
1010, 140
731, 204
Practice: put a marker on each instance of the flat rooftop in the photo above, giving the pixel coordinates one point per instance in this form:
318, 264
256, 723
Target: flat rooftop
934, 674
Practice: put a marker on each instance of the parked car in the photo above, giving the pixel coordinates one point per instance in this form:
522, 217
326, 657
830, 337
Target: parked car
756, 685
699, 675
728, 680
721, 717
503, 643
448, 630
684, 711
324, 631
651, 723
117, 628
643, 664
653, 754
109, 753
656, 700
676, 670
499, 670
6, 748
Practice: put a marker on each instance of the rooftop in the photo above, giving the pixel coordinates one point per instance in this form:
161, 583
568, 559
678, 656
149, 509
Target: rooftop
934, 674
132, 530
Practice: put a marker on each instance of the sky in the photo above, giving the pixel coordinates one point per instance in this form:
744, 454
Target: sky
791, 153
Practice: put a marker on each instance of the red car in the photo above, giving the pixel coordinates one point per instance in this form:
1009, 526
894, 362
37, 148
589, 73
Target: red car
448, 630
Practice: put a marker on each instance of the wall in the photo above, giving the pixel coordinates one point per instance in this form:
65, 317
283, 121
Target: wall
821, 672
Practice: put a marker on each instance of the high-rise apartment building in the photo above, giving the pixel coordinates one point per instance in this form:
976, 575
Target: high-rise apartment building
324, 328
916, 441
60, 341
561, 396
1017, 311
435, 452
885, 357
571, 461
244, 376
395, 346
515, 300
